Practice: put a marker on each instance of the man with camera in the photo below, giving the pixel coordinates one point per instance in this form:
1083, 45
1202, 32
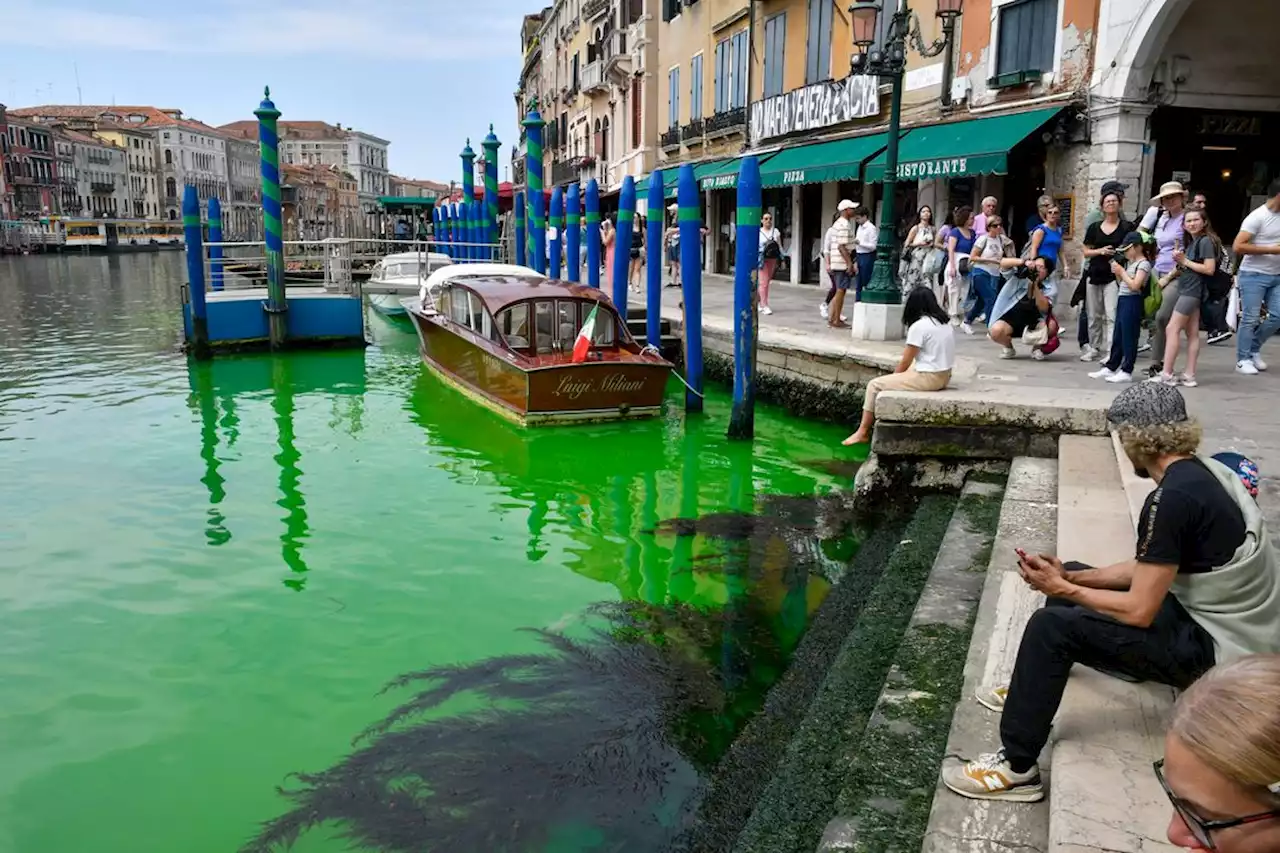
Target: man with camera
1021, 304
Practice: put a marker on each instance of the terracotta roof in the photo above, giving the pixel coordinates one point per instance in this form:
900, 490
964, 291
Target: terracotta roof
243, 129
311, 130
153, 116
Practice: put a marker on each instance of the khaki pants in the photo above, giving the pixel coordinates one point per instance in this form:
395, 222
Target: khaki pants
911, 380
1100, 302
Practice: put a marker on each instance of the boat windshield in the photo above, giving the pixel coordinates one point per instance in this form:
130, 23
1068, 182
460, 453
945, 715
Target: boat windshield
556, 323
401, 269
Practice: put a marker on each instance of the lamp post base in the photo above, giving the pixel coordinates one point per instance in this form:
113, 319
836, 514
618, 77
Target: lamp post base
873, 322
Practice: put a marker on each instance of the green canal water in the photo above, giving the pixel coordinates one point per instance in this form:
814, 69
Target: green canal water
209, 574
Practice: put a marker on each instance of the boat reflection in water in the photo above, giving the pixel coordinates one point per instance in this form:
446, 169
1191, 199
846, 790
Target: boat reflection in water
215, 387
505, 336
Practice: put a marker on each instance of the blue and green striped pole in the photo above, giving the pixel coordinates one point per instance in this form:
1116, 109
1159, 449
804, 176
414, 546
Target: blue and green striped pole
468, 197
622, 244
747, 239
199, 342
573, 233
215, 236
690, 224
653, 240
557, 215
533, 125
518, 206
592, 235
477, 230
490, 146
269, 155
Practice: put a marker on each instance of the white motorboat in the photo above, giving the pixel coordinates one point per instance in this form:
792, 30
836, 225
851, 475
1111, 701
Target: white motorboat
430, 288
401, 275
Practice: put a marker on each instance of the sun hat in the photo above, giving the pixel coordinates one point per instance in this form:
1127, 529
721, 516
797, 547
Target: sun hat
845, 205
1169, 188
1148, 404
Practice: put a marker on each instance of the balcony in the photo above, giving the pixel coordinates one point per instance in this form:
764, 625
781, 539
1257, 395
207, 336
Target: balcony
617, 62
729, 121
170, 201
671, 139
593, 77
692, 130
564, 172
593, 9
105, 187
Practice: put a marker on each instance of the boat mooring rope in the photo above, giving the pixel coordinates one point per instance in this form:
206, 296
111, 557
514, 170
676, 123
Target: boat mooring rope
650, 348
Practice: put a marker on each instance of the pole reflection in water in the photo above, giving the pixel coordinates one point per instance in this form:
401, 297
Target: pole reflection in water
681, 584
291, 500
737, 569
653, 569
203, 400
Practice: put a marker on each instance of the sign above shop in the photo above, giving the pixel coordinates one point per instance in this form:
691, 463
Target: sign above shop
944, 167
817, 106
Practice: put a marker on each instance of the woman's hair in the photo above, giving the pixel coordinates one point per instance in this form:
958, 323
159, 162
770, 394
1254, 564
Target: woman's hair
962, 215
922, 303
994, 222
1230, 720
1152, 442
1044, 203
920, 214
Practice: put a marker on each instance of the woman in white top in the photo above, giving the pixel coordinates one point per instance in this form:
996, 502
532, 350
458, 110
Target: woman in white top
926, 362
916, 251
771, 252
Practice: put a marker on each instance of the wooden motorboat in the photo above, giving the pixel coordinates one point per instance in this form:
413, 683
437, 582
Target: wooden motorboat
504, 336
400, 275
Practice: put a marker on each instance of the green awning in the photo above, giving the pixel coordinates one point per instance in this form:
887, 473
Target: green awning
976, 147
406, 201
820, 162
671, 176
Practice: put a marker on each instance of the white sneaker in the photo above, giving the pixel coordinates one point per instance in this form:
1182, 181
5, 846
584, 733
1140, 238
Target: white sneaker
824, 311
993, 699
1186, 380
991, 778
1104, 373
966, 328
1165, 379
1259, 363
765, 309
1247, 367
1037, 355
1120, 377
1145, 346
1088, 353
1008, 352
843, 319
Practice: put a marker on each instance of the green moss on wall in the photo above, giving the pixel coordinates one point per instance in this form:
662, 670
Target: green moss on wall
800, 799
981, 514
838, 403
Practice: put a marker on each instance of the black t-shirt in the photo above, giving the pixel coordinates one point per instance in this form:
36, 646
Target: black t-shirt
1095, 238
1189, 521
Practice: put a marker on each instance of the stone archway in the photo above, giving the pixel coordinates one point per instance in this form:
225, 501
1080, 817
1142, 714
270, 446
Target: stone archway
1129, 45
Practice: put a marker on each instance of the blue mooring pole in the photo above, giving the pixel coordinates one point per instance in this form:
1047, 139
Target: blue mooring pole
653, 245
557, 229
435, 229
689, 220
199, 342
215, 236
521, 259
592, 235
742, 420
573, 234
622, 244
272, 222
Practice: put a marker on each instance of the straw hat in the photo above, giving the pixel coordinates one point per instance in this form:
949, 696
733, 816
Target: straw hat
1167, 189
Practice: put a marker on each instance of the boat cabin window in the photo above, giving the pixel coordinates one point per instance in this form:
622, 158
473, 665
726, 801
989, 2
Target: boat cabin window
459, 311
558, 321
513, 322
405, 269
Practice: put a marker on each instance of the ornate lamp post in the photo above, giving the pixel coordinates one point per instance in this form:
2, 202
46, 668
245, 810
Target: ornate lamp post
876, 316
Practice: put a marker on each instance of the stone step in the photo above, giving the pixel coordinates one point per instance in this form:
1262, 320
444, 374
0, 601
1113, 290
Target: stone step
1104, 796
799, 799
1028, 520
883, 803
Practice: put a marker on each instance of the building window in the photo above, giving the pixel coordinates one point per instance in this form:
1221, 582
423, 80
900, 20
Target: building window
670, 9
637, 112
673, 98
731, 73
1025, 36
775, 51
695, 88
168, 155
817, 64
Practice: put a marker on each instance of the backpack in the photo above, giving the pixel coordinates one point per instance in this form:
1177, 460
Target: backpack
771, 251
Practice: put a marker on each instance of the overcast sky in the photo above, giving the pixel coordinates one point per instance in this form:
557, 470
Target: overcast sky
425, 74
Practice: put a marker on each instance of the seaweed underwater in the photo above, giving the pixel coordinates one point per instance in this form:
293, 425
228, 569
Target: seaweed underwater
615, 728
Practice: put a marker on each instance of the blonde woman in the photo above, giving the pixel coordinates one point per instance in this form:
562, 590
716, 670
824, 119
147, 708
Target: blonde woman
1221, 767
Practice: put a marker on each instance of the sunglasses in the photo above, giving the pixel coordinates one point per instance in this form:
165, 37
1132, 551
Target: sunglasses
1200, 827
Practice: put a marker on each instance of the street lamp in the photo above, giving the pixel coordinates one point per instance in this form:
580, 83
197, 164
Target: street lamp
875, 317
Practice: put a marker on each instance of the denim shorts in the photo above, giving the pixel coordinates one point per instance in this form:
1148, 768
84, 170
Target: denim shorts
841, 279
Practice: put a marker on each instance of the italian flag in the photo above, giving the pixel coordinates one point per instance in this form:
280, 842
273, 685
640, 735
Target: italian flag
582, 345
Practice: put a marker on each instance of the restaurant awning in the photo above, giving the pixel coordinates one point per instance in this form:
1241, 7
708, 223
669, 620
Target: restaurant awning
975, 147
820, 162
671, 176
406, 201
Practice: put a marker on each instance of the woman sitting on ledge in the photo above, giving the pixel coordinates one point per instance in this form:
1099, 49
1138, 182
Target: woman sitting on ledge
926, 361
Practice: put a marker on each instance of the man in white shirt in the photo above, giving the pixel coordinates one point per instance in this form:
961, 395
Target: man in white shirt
840, 261
864, 243
1258, 247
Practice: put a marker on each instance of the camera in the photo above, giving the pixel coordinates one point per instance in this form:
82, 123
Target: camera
1024, 271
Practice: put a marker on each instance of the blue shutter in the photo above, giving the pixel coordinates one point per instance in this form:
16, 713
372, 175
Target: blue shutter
1026, 36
